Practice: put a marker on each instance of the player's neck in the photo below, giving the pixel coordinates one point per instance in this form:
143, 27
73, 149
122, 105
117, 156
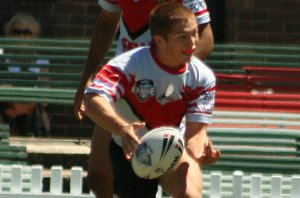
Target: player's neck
167, 61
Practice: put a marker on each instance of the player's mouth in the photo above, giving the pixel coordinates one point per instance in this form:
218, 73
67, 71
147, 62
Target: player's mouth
188, 52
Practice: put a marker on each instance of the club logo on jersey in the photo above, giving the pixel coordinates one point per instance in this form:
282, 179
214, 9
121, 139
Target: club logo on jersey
143, 154
196, 6
128, 45
144, 89
208, 96
106, 79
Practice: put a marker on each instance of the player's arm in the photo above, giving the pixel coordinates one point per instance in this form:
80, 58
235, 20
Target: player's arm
104, 32
198, 145
103, 113
206, 41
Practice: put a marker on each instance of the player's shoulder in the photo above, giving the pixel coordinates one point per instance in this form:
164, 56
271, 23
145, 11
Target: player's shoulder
198, 66
136, 52
133, 55
109, 5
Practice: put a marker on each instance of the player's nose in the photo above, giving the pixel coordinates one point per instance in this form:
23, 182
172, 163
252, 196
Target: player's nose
192, 42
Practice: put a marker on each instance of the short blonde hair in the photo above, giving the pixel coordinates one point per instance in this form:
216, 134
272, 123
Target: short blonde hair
166, 16
31, 23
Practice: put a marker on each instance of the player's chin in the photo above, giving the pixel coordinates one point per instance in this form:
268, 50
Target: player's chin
186, 58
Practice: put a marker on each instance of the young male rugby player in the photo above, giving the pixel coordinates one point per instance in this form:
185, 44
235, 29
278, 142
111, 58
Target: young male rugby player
142, 77
132, 18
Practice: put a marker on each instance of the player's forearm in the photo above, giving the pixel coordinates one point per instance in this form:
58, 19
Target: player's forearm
196, 138
206, 42
198, 145
101, 112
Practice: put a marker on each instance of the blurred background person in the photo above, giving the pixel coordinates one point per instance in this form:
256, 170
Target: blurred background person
25, 119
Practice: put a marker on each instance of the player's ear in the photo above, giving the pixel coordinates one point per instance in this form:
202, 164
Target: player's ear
158, 40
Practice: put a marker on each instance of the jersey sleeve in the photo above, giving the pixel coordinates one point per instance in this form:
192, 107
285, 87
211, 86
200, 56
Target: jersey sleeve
110, 5
200, 9
109, 83
201, 105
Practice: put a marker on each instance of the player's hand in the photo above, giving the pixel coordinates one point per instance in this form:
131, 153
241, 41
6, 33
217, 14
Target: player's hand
78, 106
130, 140
204, 156
209, 155
80, 113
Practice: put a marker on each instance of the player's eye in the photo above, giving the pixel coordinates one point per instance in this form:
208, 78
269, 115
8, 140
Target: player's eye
182, 37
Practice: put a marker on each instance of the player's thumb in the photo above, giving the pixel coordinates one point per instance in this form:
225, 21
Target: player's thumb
138, 126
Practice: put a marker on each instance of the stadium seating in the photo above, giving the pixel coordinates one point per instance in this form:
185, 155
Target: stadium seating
246, 119
61, 75
238, 101
257, 77
256, 150
229, 58
256, 122
10, 154
260, 89
251, 78
234, 64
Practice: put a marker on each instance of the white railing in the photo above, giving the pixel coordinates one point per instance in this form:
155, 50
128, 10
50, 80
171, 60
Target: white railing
239, 185
27, 182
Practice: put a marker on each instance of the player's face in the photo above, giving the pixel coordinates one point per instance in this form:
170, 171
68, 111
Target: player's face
180, 43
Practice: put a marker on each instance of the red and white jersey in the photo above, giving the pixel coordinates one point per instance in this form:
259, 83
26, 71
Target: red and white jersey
154, 93
134, 31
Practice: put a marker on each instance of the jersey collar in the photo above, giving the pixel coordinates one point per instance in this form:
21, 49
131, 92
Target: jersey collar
181, 70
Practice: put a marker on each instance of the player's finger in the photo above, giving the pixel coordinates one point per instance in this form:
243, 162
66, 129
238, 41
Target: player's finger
208, 150
129, 146
216, 155
79, 111
80, 115
129, 154
210, 155
126, 151
135, 140
137, 126
76, 112
77, 116
130, 132
205, 150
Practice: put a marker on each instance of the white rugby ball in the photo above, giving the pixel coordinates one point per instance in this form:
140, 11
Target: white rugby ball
158, 153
